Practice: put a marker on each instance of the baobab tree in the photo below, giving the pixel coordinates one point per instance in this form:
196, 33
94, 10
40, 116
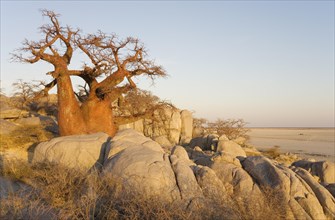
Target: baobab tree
115, 60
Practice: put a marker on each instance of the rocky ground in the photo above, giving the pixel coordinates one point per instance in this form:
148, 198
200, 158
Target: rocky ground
192, 177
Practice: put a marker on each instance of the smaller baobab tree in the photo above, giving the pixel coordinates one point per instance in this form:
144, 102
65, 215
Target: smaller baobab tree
24, 93
115, 60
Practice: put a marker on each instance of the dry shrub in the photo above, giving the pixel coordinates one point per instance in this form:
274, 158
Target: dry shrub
16, 170
24, 136
138, 104
25, 206
70, 194
272, 153
269, 205
232, 128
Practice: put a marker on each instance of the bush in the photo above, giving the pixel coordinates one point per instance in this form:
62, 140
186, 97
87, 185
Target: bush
137, 104
232, 128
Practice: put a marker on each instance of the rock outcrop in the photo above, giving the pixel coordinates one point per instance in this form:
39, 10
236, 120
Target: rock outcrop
175, 125
297, 196
325, 198
206, 142
324, 170
230, 147
12, 118
77, 151
186, 127
142, 166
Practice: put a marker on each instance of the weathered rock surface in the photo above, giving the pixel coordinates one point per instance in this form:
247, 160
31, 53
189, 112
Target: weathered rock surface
230, 147
209, 182
325, 170
330, 188
174, 129
77, 151
298, 198
199, 157
207, 142
237, 181
186, 127
141, 165
186, 181
175, 125
137, 126
163, 141
200, 142
325, 198
198, 132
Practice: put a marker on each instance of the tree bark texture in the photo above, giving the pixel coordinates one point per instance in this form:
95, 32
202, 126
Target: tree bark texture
94, 115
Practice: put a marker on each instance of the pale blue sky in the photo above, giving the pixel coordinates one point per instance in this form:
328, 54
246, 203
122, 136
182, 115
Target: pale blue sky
268, 62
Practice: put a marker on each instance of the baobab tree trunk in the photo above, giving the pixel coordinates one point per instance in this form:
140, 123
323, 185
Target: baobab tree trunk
70, 117
98, 115
94, 115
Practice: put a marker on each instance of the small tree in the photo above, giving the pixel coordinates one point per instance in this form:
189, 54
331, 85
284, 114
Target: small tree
118, 61
232, 128
24, 93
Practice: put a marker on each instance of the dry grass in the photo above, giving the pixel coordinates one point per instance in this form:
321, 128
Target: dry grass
275, 153
272, 153
61, 193
16, 170
269, 205
24, 136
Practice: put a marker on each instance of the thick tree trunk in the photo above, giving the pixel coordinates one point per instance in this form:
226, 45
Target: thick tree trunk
98, 116
70, 117
94, 115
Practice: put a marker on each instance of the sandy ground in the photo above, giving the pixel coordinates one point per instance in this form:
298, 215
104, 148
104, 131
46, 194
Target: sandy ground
318, 143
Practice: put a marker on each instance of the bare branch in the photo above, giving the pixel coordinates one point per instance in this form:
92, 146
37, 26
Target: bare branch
117, 59
46, 89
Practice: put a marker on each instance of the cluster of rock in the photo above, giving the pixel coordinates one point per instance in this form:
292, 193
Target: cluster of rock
8, 113
12, 118
193, 177
168, 126
208, 167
